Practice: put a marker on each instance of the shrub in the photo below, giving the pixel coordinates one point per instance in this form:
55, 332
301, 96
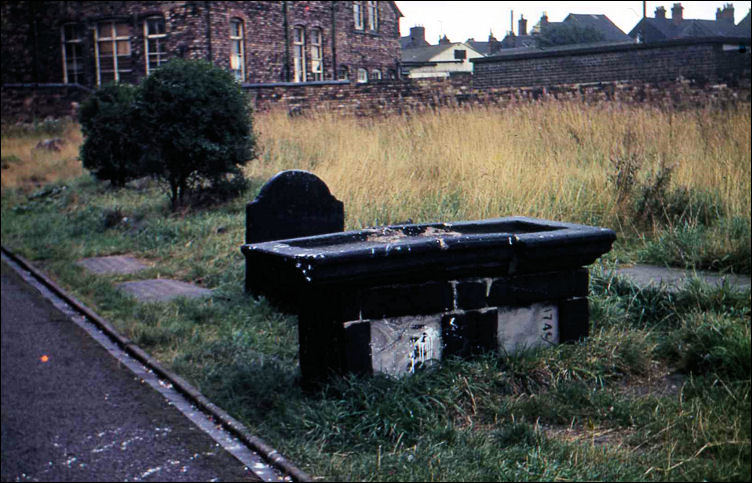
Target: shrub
196, 122
107, 118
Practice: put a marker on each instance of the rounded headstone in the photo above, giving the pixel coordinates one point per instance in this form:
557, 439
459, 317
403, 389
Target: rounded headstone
293, 204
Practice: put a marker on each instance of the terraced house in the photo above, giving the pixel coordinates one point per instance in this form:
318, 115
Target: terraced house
92, 43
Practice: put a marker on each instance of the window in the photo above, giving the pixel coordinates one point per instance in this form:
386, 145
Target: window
358, 15
362, 75
373, 16
317, 71
154, 43
112, 51
376, 74
237, 52
460, 54
72, 40
344, 72
298, 43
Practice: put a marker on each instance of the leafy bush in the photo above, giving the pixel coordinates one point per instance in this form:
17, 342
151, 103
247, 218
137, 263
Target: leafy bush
110, 150
197, 128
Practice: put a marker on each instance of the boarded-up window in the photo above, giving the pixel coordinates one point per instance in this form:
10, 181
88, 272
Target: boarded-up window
113, 51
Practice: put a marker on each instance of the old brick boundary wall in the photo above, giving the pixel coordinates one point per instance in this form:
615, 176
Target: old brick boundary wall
675, 73
416, 96
707, 60
35, 102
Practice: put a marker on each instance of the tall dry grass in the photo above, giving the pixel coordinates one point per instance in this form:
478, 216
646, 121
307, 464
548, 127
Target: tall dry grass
553, 159
25, 166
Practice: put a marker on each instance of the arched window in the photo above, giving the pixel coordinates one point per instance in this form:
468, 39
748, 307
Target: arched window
112, 49
72, 44
298, 49
155, 36
317, 71
237, 49
344, 73
376, 74
362, 75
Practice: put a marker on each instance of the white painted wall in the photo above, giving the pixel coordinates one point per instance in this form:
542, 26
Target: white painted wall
443, 70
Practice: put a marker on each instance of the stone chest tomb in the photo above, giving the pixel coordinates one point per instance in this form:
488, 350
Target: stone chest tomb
394, 299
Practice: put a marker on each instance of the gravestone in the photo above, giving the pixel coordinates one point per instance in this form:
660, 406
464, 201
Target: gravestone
114, 264
293, 204
162, 290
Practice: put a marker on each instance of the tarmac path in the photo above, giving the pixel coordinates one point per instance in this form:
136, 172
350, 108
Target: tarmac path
72, 412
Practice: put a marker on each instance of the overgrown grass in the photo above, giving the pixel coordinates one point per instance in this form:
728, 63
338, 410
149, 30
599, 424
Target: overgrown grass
659, 391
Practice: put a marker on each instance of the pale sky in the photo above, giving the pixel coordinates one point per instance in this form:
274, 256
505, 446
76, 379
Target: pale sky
466, 19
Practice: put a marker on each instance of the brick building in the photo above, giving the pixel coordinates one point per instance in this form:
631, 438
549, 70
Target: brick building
90, 43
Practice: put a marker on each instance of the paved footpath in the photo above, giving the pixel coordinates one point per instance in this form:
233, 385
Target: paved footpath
79, 415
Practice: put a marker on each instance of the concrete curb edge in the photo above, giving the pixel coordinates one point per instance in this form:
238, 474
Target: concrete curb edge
228, 422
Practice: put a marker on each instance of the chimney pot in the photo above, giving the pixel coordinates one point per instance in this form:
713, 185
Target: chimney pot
660, 12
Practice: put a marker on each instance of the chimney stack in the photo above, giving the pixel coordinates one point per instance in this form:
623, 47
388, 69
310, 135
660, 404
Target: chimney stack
543, 20
444, 40
418, 34
677, 13
522, 26
725, 15
660, 12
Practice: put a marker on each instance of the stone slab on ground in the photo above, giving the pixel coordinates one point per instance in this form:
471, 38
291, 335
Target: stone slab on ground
162, 290
115, 264
673, 278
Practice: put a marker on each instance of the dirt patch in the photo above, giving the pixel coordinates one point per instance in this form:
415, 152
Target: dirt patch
615, 437
660, 381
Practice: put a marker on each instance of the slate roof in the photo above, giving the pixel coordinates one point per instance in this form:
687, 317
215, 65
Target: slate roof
481, 47
425, 54
519, 41
556, 48
408, 42
665, 29
743, 27
599, 22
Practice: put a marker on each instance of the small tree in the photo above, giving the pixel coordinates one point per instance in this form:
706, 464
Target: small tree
196, 124
110, 150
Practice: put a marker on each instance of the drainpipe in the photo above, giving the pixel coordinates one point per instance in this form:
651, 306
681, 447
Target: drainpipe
209, 55
286, 68
334, 43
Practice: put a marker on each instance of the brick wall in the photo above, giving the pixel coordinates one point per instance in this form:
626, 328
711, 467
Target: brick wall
28, 101
704, 60
32, 50
419, 95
